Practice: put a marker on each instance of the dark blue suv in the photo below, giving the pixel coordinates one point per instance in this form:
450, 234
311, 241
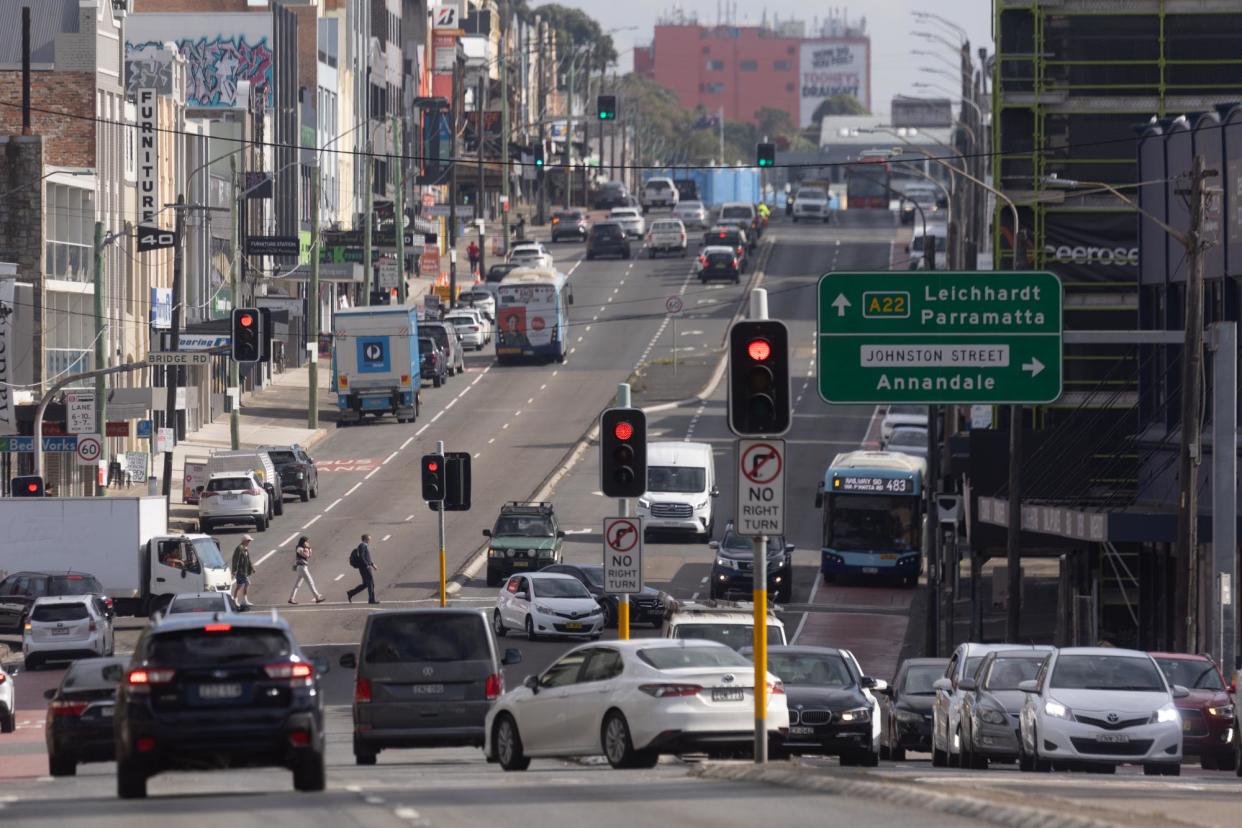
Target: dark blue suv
733, 568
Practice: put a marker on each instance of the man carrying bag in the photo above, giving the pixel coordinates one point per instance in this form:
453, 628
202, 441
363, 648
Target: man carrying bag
360, 559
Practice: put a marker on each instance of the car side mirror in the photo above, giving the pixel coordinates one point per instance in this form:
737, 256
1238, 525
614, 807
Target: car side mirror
867, 682
531, 683
487, 533
1180, 692
560, 533
349, 661
50, 693
512, 656
819, 495
713, 545
1233, 686
714, 492
880, 686
521, 593
789, 547
942, 684
966, 684
1029, 686
185, 572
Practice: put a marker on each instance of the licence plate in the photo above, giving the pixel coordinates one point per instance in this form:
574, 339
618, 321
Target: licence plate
800, 730
1113, 738
428, 689
573, 625
888, 557
219, 691
870, 570
230, 497
106, 711
727, 694
521, 563
61, 631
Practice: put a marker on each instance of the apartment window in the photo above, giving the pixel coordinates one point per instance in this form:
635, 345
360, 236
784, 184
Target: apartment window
781, 65
715, 66
749, 66
70, 225
712, 88
707, 50
789, 87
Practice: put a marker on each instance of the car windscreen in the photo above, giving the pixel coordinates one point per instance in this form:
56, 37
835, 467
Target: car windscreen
908, 437
870, 522
1194, 674
279, 457
206, 550
73, 585
606, 231
1096, 672
737, 212
811, 193
1008, 673
558, 588
689, 206
719, 257
658, 186
198, 603
228, 484
93, 674
52, 613
425, 346
817, 669
624, 214
737, 543
673, 658
199, 647
666, 227
594, 574
919, 679
419, 637
676, 479
529, 527
917, 410
459, 321
736, 636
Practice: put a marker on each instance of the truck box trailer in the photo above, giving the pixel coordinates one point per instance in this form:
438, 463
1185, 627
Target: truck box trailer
375, 364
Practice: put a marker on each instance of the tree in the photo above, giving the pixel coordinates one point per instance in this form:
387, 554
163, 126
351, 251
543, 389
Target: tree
837, 105
576, 29
774, 123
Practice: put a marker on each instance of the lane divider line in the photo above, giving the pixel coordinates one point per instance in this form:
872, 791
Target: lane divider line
389, 458
333, 506
407, 442
308, 523
352, 489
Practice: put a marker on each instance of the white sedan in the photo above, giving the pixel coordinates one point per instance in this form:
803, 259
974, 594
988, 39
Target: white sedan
470, 328
631, 220
631, 701
546, 603
8, 700
66, 627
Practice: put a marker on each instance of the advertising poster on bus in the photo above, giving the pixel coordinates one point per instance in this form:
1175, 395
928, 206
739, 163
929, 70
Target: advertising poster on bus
527, 316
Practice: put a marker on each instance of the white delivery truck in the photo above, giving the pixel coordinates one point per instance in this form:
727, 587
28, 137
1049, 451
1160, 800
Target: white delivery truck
375, 365
123, 541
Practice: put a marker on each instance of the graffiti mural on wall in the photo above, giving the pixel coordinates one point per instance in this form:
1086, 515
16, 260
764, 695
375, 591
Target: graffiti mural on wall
214, 66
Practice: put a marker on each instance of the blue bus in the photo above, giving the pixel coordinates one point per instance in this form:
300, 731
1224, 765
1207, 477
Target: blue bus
532, 315
873, 516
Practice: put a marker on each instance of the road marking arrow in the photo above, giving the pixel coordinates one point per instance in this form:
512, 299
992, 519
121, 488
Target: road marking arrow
840, 303
1034, 366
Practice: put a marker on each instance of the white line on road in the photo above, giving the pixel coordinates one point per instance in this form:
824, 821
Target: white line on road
339, 577
451, 403
439, 414
530, 401
477, 454
352, 489
506, 425
491, 440
265, 557
517, 413
286, 540
333, 505
386, 537
420, 431
408, 440
694, 597
814, 589
703, 580
557, 371
308, 523
571, 350
408, 518
545, 385
371, 473
389, 458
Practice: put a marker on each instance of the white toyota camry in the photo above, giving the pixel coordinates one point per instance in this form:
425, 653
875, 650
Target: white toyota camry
632, 701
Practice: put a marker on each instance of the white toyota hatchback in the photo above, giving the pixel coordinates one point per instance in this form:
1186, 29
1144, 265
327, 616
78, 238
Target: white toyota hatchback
1099, 707
632, 701
66, 627
547, 604
8, 700
232, 497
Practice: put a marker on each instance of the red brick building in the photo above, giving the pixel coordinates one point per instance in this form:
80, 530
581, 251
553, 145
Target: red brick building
745, 68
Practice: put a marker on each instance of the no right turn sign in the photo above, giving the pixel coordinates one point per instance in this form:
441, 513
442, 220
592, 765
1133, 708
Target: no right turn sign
760, 488
623, 555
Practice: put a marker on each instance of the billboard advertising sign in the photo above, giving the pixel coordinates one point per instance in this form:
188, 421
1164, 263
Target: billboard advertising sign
828, 68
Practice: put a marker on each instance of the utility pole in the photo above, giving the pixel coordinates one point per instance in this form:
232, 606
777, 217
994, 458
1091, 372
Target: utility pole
172, 373
101, 350
398, 207
506, 168
367, 274
312, 304
569, 139
1189, 563
455, 115
541, 215
239, 210
612, 134
1013, 540
480, 213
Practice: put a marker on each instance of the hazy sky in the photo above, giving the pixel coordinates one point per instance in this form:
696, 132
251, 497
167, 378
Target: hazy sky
889, 23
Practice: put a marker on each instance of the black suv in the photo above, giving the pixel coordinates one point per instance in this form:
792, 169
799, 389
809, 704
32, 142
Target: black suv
19, 591
433, 363
646, 607
732, 570
219, 691
724, 235
569, 224
607, 238
296, 470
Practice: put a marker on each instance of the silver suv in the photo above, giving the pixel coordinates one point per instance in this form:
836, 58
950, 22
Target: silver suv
659, 192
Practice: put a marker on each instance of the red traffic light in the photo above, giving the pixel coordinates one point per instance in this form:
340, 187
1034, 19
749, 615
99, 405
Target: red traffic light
759, 350
32, 487
433, 466
246, 320
623, 430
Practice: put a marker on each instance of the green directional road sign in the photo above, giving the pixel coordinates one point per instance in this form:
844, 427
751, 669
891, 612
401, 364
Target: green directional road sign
940, 337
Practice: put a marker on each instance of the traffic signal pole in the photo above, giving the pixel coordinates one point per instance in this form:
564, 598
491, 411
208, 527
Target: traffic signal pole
443, 556
172, 373
623, 510
759, 310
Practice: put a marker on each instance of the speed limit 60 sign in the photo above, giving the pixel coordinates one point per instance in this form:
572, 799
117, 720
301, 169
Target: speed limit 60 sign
89, 449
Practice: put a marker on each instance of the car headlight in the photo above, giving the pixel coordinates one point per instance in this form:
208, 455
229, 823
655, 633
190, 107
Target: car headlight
702, 505
1054, 708
644, 503
301, 475
546, 553
596, 611
544, 610
991, 715
495, 553
1223, 712
726, 563
1168, 713
908, 716
858, 714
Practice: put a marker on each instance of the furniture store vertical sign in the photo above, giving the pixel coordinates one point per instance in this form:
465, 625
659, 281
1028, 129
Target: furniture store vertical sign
148, 154
8, 318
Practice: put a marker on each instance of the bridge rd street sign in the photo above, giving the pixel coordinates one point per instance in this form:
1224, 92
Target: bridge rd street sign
623, 555
760, 488
940, 337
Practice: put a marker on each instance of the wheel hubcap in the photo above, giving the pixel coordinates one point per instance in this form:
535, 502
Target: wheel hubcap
505, 742
615, 740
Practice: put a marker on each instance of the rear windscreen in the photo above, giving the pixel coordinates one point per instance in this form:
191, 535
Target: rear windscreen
211, 604
72, 585
431, 638
60, 612
228, 484
199, 647
282, 457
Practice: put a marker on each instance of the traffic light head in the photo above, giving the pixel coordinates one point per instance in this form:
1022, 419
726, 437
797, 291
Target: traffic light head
759, 378
623, 452
247, 340
539, 156
766, 155
433, 477
30, 485
606, 105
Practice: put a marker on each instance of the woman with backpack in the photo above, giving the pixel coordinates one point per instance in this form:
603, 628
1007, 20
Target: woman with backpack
301, 565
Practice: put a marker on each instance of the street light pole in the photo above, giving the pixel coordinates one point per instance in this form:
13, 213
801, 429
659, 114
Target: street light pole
312, 307
101, 351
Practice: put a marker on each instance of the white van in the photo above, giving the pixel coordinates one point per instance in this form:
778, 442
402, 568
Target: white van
726, 622
681, 484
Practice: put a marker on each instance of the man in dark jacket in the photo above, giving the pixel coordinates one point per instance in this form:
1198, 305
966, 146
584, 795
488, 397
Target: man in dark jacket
365, 566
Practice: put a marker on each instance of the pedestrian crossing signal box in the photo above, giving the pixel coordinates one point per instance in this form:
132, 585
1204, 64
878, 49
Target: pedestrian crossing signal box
454, 481
30, 485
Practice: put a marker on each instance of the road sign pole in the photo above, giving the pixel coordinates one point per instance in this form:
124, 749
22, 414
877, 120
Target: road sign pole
623, 510
759, 310
443, 556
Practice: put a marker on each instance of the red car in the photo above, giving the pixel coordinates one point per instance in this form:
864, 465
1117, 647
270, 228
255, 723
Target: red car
1207, 713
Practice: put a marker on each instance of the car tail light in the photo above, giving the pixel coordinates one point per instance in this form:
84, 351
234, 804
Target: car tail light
61, 707
702, 261
494, 686
254, 492
145, 744
217, 627
108, 603
776, 688
665, 691
362, 691
739, 250
735, 262
93, 627
3, 677
289, 670
475, 328
142, 679
300, 738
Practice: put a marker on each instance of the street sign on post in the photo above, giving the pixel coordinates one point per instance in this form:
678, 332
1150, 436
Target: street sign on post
178, 358
80, 412
273, 246
760, 488
940, 338
623, 555
89, 449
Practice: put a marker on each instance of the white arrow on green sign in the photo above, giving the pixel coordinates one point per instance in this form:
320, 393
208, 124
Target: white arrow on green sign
940, 337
